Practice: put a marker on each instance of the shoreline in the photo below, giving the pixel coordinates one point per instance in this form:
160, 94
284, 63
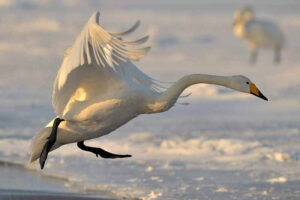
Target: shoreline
19, 182
36, 195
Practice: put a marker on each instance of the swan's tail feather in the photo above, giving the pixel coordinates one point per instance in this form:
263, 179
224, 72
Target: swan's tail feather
38, 142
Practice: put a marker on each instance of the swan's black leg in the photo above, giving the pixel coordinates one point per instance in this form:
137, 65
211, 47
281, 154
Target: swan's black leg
50, 142
99, 151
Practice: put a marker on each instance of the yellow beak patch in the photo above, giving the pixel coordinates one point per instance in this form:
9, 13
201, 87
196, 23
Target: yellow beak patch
254, 90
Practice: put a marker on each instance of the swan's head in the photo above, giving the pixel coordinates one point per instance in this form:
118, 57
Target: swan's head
243, 15
244, 84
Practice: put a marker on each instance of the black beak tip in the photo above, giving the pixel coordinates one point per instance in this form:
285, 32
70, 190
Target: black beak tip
263, 96
266, 99
260, 95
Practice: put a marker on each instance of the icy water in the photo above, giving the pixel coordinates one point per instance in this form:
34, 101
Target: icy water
223, 145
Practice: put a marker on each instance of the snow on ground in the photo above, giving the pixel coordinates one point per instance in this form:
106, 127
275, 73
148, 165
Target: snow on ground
223, 145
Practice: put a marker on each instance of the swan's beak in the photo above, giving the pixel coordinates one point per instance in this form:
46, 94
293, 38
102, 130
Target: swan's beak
256, 92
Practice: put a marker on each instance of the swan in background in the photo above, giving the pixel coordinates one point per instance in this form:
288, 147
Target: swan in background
258, 33
98, 89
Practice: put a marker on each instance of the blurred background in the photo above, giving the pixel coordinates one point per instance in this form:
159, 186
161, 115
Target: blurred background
223, 145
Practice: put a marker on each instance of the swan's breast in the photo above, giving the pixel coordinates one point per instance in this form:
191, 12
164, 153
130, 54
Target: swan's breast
101, 118
99, 110
239, 30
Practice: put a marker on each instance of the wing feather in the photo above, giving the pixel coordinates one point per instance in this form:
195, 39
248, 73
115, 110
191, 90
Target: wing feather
97, 51
94, 38
138, 41
130, 30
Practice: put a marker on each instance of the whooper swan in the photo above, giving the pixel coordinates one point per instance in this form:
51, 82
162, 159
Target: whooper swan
258, 33
98, 89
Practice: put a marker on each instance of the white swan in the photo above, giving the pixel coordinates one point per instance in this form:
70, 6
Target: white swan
98, 89
258, 33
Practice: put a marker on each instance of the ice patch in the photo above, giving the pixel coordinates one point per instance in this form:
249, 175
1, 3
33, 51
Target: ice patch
141, 137
147, 147
224, 150
199, 178
153, 195
14, 147
279, 157
149, 169
106, 191
156, 178
47, 174
278, 180
221, 189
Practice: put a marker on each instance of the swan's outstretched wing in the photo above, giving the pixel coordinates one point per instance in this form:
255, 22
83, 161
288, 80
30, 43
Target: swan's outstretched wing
94, 65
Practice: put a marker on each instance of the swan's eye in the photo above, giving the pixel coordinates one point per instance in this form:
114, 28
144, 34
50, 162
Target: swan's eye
247, 82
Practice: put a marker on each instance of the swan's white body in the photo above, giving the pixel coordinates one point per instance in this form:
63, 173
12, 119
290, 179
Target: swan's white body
98, 88
258, 33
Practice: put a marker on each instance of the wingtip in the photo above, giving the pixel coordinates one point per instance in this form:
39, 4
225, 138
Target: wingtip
97, 13
147, 49
95, 17
146, 38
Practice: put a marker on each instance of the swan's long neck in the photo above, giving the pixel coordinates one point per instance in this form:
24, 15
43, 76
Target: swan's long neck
168, 98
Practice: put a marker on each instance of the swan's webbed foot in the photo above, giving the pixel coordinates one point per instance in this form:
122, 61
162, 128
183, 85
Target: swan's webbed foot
100, 152
50, 142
